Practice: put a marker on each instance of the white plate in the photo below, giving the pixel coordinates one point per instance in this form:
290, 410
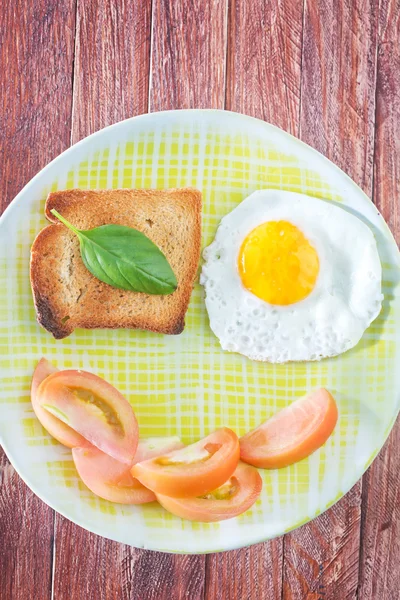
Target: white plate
186, 385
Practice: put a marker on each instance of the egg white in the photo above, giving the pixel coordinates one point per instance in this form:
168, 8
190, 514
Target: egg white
331, 319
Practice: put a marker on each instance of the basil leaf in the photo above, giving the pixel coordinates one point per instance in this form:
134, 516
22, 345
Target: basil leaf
124, 258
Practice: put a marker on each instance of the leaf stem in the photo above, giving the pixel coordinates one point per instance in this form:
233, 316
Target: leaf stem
64, 221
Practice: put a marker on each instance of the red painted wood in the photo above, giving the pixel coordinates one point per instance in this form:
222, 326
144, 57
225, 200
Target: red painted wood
321, 559
36, 56
338, 83
188, 54
380, 531
26, 534
253, 573
111, 63
88, 566
264, 60
36, 59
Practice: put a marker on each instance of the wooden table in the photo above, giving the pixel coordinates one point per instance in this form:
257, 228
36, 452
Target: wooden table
327, 71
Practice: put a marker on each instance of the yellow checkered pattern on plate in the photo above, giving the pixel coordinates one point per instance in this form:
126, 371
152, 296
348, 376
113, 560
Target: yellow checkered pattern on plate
186, 385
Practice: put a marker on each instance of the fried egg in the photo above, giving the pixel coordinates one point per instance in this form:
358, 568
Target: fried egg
289, 277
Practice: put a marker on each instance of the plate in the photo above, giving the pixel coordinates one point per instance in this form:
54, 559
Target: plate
186, 385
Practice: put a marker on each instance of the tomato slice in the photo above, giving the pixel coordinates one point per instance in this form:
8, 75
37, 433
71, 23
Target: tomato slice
293, 433
156, 446
111, 479
94, 409
194, 470
231, 499
56, 428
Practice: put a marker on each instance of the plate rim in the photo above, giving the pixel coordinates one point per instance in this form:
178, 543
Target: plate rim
86, 141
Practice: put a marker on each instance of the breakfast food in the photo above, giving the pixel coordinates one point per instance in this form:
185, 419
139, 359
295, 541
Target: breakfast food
91, 417
112, 480
231, 499
62, 432
289, 277
67, 295
194, 470
205, 481
92, 408
293, 433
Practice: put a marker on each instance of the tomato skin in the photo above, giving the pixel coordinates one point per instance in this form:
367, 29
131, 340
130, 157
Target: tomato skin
111, 479
62, 432
214, 460
205, 510
293, 433
111, 426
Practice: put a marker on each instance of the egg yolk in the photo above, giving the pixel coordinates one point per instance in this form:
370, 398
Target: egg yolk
277, 263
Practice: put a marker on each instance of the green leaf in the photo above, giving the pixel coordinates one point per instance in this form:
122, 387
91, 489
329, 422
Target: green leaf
124, 258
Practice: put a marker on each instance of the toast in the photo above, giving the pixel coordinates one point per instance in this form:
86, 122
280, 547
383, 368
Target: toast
68, 296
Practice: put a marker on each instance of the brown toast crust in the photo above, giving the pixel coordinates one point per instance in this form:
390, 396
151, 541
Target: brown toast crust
68, 296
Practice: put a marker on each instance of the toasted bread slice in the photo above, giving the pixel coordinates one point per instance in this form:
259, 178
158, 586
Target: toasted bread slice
68, 296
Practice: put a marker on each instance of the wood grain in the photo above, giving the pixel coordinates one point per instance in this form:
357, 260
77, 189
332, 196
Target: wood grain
253, 573
263, 80
157, 576
264, 60
111, 63
337, 118
36, 61
87, 566
387, 134
26, 534
380, 530
338, 83
321, 558
188, 54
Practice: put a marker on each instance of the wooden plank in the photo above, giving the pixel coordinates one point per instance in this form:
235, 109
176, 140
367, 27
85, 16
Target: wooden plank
263, 80
337, 118
26, 533
112, 57
321, 558
88, 566
379, 575
188, 54
187, 71
171, 576
111, 83
387, 134
264, 60
36, 59
380, 539
338, 84
253, 573
112, 571
111, 63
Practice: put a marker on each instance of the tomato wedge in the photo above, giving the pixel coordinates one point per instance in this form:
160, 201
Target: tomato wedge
56, 428
231, 499
293, 433
194, 470
94, 409
111, 479
156, 446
